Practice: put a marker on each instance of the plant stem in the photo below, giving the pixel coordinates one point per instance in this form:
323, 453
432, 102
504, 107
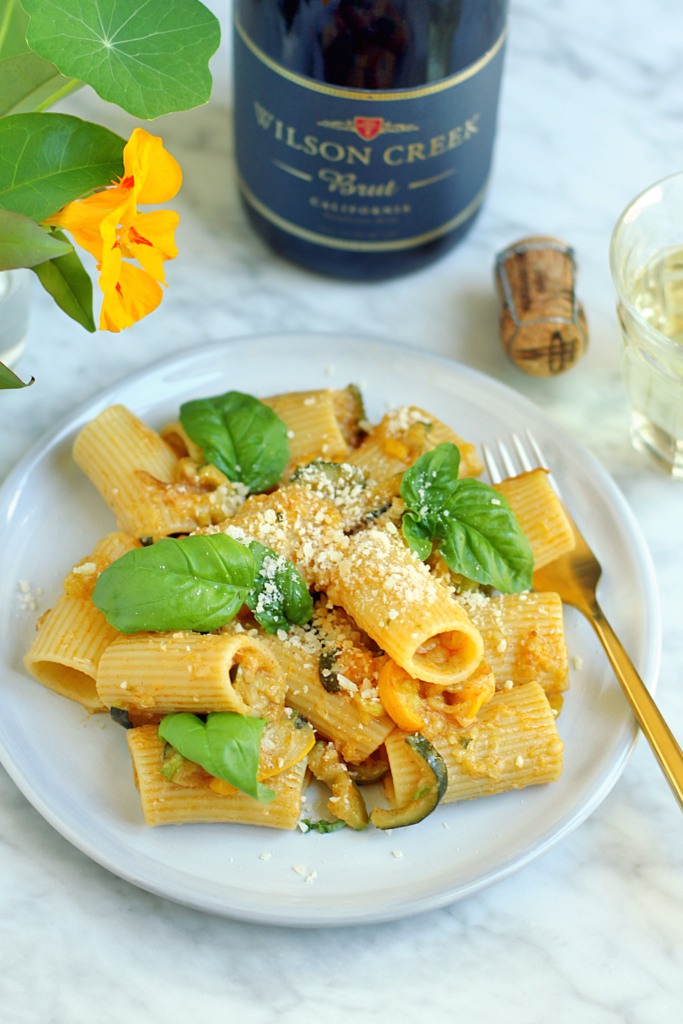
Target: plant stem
71, 86
4, 27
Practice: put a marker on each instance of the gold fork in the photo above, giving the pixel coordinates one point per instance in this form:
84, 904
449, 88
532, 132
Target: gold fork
575, 578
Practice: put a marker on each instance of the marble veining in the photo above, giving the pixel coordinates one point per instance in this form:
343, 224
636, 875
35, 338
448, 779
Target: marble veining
593, 932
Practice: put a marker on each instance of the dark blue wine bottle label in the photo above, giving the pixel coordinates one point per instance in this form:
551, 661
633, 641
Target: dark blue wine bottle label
358, 170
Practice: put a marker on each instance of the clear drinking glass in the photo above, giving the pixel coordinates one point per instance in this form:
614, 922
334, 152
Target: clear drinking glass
15, 299
646, 258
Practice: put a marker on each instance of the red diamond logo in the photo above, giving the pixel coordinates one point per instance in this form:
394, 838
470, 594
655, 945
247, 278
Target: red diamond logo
368, 127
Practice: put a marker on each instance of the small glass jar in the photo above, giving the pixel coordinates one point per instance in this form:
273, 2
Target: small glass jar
15, 298
646, 257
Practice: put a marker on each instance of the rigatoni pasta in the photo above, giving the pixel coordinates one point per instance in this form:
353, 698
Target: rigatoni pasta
73, 635
342, 622
164, 803
151, 491
186, 671
523, 637
513, 744
540, 515
313, 425
71, 639
411, 615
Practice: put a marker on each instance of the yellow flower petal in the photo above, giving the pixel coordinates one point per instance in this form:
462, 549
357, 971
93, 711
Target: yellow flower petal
150, 239
87, 213
90, 241
156, 174
107, 225
111, 254
133, 296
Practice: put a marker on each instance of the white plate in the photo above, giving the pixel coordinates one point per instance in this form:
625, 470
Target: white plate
76, 770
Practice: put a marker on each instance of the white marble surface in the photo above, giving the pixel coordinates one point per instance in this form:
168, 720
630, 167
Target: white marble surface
593, 932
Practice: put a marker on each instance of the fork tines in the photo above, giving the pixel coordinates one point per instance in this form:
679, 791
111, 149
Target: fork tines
523, 457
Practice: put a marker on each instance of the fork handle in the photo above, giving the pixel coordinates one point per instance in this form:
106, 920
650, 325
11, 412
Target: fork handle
659, 736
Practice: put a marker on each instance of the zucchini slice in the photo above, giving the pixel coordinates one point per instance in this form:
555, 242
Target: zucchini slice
372, 769
327, 671
350, 413
346, 803
121, 717
431, 788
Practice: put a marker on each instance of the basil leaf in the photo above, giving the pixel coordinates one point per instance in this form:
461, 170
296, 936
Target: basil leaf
280, 595
323, 826
46, 160
149, 58
477, 531
197, 583
227, 746
243, 437
483, 540
10, 380
431, 481
418, 535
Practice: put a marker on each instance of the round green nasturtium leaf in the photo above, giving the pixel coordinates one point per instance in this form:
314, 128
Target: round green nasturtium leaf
149, 58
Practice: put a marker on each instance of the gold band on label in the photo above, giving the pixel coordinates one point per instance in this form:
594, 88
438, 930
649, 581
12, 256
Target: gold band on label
360, 94
349, 244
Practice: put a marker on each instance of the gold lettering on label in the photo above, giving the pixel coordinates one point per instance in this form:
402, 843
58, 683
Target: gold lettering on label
351, 209
416, 152
332, 151
437, 145
455, 137
364, 157
462, 133
263, 117
471, 127
348, 185
390, 158
393, 156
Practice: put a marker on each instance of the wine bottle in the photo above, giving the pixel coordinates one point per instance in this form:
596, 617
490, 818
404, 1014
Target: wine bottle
364, 128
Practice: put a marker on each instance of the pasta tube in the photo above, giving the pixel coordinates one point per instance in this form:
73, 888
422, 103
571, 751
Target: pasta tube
164, 803
540, 514
339, 717
391, 594
185, 671
151, 491
71, 639
513, 743
80, 582
73, 635
523, 637
295, 523
313, 426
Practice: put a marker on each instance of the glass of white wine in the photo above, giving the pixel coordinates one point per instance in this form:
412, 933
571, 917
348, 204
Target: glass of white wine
646, 257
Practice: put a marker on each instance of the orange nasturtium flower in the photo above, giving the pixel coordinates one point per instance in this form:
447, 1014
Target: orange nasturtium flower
109, 226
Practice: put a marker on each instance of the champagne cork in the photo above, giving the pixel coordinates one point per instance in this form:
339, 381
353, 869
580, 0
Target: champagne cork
542, 324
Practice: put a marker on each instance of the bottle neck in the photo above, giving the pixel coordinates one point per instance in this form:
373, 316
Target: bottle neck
374, 44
